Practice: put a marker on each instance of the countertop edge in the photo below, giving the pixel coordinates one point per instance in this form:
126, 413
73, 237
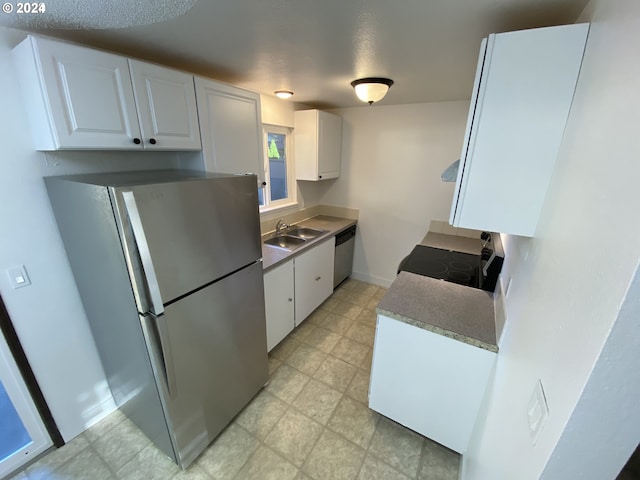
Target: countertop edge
440, 331
462, 313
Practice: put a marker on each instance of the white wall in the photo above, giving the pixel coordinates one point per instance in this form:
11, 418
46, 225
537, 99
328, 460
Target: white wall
603, 429
276, 111
569, 284
392, 158
48, 315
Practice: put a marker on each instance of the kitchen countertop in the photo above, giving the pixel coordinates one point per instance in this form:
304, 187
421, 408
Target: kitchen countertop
453, 243
455, 311
272, 256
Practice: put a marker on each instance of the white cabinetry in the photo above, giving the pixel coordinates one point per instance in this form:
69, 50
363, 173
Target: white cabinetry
428, 382
279, 295
80, 98
313, 278
296, 288
230, 125
166, 104
318, 144
520, 103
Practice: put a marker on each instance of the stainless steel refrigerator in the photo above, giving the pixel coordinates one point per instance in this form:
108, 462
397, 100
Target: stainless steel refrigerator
168, 266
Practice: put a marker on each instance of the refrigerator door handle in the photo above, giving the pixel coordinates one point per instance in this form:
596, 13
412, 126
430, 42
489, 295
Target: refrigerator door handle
143, 250
158, 340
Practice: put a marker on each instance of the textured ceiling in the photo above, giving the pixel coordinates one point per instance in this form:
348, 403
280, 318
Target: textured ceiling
91, 14
314, 48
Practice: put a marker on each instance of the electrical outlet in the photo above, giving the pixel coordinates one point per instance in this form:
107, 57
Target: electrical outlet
537, 412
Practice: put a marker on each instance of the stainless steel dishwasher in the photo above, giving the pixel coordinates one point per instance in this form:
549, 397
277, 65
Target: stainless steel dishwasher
344, 255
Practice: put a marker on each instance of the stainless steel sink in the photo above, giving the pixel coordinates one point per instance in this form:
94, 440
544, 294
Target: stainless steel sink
285, 242
305, 232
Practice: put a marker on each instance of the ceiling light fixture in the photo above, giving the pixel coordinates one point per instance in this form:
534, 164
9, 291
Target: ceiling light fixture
372, 89
283, 94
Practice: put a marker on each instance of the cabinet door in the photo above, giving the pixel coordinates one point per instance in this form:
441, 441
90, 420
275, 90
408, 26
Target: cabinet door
305, 136
427, 382
318, 141
278, 296
230, 126
329, 145
166, 103
313, 278
522, 95
88, 96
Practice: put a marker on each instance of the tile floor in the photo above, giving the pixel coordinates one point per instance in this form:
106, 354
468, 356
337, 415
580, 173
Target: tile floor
311, 422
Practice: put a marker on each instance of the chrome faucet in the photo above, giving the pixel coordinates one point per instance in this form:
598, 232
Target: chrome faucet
281, 226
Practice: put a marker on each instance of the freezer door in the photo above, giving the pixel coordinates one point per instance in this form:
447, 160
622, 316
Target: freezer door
210, 358
180, 236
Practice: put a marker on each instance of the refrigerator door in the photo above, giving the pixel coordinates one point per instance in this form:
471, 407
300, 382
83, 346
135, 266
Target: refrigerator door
209, 356
180, 236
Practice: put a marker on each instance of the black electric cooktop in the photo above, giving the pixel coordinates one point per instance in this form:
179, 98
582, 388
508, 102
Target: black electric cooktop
456, 267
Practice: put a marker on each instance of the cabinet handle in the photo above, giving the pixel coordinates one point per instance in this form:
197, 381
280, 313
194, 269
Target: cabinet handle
318, 278
264, 184
319, 176
152, 141
290, 299
136, 141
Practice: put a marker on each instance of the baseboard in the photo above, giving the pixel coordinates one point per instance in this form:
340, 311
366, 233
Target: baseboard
100, 411
363, 277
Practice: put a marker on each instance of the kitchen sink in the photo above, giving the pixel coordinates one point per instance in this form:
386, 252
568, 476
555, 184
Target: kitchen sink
286, 242
305, 232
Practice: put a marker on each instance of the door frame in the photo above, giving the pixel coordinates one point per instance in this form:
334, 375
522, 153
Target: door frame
25, 394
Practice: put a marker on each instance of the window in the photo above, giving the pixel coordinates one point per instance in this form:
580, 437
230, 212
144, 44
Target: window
280, 188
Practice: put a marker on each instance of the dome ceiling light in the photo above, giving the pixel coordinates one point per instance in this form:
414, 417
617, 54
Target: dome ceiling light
371, 89
284, 94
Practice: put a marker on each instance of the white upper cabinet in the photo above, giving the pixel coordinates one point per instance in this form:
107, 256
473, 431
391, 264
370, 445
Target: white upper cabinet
520, 103
318, 144
230, 125
80, 98
76, 97
166, 104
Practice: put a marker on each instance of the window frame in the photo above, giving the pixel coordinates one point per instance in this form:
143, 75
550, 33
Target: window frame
292, 188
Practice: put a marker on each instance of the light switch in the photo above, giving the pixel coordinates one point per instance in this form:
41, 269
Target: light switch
18, 276
537, 411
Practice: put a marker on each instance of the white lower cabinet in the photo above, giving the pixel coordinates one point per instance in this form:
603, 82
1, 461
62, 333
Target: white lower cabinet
313, 278
278, 295
427, 382
296, 288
